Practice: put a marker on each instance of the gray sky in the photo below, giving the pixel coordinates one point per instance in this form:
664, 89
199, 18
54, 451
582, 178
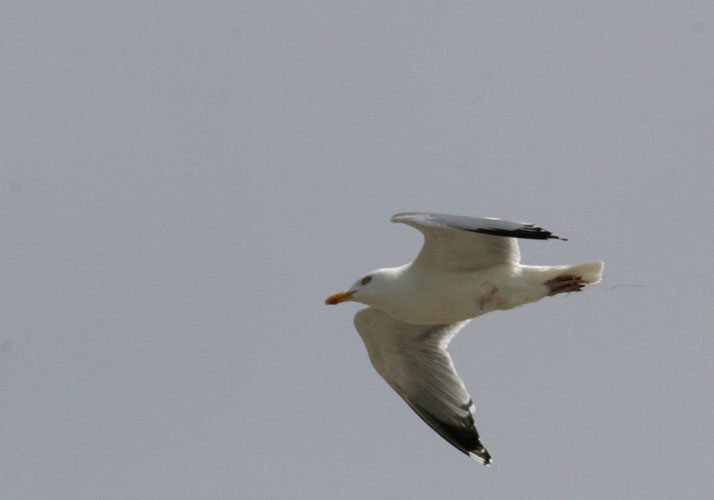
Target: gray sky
184, 183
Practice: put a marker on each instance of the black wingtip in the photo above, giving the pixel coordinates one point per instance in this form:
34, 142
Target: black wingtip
539, 232
527, 232
481, 455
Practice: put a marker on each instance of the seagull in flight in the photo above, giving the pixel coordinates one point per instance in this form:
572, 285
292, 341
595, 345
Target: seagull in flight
467, 267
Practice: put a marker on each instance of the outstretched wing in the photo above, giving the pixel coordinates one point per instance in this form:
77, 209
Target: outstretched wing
456, 242
413, 360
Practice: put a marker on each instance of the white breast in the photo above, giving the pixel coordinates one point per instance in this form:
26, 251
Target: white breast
428, 298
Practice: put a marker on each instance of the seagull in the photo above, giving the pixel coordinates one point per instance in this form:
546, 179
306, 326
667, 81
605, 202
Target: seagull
467, 267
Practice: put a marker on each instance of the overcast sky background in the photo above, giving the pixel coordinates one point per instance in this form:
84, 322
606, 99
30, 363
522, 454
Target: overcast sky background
183, 183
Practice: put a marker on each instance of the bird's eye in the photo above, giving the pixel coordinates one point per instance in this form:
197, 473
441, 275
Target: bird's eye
366, 280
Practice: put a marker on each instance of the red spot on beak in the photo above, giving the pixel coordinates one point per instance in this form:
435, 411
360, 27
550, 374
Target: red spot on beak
338, 297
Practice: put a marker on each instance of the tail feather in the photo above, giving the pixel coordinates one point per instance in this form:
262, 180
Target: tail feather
590, 272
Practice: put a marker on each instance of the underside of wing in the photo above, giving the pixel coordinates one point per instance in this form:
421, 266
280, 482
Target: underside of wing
413, 360
463, 243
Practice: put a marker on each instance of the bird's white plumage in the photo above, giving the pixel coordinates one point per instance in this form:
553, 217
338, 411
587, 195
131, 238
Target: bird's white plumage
467, 266
453, 249
414, 362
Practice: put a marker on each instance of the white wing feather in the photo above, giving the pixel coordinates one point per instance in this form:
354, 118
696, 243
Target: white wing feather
413, 360
457, 242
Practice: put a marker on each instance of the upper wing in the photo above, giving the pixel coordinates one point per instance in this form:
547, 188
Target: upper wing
459, 242
413, 360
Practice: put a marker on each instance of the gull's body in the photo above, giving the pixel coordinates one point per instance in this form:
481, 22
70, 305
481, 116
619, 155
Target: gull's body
428, 297
467, 267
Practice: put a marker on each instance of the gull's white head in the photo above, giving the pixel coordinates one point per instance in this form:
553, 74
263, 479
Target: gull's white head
367, 289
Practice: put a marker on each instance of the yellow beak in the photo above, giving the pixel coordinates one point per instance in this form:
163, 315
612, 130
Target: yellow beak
338, 297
